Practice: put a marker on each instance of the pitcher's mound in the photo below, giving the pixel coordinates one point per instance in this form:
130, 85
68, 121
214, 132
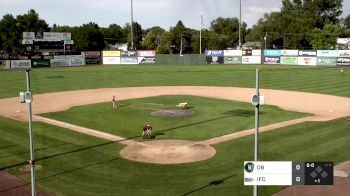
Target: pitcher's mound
170, 113
168, 152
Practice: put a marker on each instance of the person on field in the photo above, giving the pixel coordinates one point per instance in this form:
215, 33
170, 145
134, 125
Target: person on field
114, 102
147, 129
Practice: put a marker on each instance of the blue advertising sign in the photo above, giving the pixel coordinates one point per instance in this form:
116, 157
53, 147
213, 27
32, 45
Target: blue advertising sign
327, 53
272, 53
214, 53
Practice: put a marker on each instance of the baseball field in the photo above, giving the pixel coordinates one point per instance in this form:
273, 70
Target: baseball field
86, 147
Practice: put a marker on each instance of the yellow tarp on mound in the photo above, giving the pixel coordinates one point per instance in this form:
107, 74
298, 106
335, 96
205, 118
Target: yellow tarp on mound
182, 105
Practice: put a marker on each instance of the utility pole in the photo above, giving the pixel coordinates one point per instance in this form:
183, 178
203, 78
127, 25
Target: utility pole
131, 27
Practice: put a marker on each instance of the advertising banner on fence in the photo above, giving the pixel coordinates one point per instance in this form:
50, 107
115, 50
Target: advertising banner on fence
92, 54
20, 64
111, 53
232, 53
271, 53
77, 61
146, 60
68, 56
247, 52
59, 62
272, 60
93, 61
233, 60
128, 53
214, 53
128, 60
212, 60
327, 53
256, 52
40, 63
288, 60
289, 52
343, 53
147, 53
251, 60
5, 64
326, 61
307, 53
343, 61
311, 61
111, 60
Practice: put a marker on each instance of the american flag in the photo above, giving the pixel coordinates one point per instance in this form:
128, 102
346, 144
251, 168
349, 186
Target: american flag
202, 22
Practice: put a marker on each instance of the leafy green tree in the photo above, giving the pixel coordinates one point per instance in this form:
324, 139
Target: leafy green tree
326, 38
152, 38
346, 22
88, 37
137, 32
114, 34
11, 30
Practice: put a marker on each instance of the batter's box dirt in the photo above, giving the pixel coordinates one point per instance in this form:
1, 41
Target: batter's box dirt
172, 113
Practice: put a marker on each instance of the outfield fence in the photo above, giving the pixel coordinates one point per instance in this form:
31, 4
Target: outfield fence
329, 58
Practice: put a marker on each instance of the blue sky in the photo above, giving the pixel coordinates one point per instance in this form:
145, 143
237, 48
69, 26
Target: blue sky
148, 13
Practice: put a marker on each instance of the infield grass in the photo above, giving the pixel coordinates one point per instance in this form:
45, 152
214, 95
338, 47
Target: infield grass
212, 117
297, 78
77, 164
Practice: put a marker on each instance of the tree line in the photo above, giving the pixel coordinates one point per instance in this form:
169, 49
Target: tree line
300, 24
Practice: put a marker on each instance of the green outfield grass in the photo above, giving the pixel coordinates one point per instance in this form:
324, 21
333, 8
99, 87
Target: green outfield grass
212, 117
297, 78
76, 164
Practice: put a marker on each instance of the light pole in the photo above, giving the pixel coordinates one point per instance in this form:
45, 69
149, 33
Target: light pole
239, 25
256, 146
26, 97
131, 27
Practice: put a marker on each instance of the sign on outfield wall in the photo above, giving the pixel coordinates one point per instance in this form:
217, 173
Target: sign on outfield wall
256, 52
271, 53
40, 63
128, 60
288, 60
146, 60
20, 64
307, 53
214, 60
272, 60
111, 53
232, 53
77, 61
289, 52
111, 60
232, 60
5, 64
327, 53
146, 53
214, 53
326, 61
92, 54
59, 62
251, 60
343, 53
311, 61
343, 61
128, 53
